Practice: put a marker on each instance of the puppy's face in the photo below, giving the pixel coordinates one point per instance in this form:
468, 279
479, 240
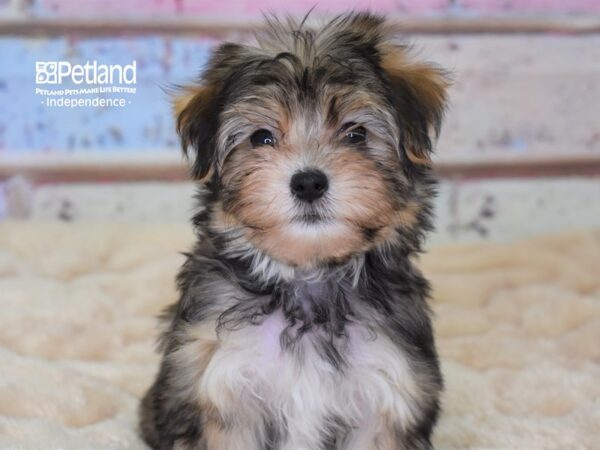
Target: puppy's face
315, 143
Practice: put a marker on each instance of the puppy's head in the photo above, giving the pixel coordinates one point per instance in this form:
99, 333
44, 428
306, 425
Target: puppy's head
315, 144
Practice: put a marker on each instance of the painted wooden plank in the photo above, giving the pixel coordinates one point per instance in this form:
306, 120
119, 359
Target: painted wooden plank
502, 210
169, 166
528, 6
26, 125
236, 8
513, 95
252, 9
75, 8
498, 210
519, 95
224, 26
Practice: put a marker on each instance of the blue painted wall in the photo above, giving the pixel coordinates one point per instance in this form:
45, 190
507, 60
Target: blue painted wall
146, 124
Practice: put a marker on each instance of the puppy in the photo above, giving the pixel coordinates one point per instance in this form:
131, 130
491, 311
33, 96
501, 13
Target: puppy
303, 323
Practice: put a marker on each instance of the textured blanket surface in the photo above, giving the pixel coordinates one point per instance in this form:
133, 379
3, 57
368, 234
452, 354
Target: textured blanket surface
518, 329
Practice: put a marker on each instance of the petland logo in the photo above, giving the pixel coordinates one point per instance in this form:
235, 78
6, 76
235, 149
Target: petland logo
90, 85
90, 73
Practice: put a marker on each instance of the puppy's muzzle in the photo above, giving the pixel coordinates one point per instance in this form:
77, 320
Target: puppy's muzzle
309, 185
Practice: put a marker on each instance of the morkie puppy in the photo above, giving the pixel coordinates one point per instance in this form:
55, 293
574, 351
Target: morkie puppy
303, 323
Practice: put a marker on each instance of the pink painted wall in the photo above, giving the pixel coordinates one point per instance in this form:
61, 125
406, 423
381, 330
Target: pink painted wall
253, 8
529, 6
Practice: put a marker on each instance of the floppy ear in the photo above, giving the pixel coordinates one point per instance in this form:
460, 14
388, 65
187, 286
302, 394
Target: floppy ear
197, 109
419, 97
197, 125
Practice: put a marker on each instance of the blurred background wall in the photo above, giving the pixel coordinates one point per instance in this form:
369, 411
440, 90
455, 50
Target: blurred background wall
519, 153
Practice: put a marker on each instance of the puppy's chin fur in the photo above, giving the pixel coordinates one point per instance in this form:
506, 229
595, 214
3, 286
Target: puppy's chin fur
304, 325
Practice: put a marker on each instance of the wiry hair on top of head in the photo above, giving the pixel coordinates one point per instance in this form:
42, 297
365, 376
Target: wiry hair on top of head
354, 48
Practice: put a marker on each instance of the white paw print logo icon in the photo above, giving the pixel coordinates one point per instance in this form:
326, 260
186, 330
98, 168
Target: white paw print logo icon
46, 72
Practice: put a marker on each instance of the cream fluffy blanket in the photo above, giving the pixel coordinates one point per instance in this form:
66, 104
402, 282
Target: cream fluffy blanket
518, 330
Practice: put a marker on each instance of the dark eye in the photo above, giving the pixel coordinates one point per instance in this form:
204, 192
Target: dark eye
261, 138
355, 134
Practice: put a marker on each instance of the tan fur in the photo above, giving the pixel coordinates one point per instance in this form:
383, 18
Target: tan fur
182, 99
427, 82
281, 244
192, 101
359, 198
213, 429
407, 216
363, 197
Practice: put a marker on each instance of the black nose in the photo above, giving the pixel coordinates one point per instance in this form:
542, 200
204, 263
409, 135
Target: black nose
309, 185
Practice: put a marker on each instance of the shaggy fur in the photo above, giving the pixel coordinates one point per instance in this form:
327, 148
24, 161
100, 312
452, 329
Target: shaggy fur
304, 324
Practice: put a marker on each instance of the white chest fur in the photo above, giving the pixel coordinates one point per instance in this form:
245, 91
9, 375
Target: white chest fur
251, 381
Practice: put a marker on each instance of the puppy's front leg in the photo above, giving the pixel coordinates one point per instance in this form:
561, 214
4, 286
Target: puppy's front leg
383, 434
232, 434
